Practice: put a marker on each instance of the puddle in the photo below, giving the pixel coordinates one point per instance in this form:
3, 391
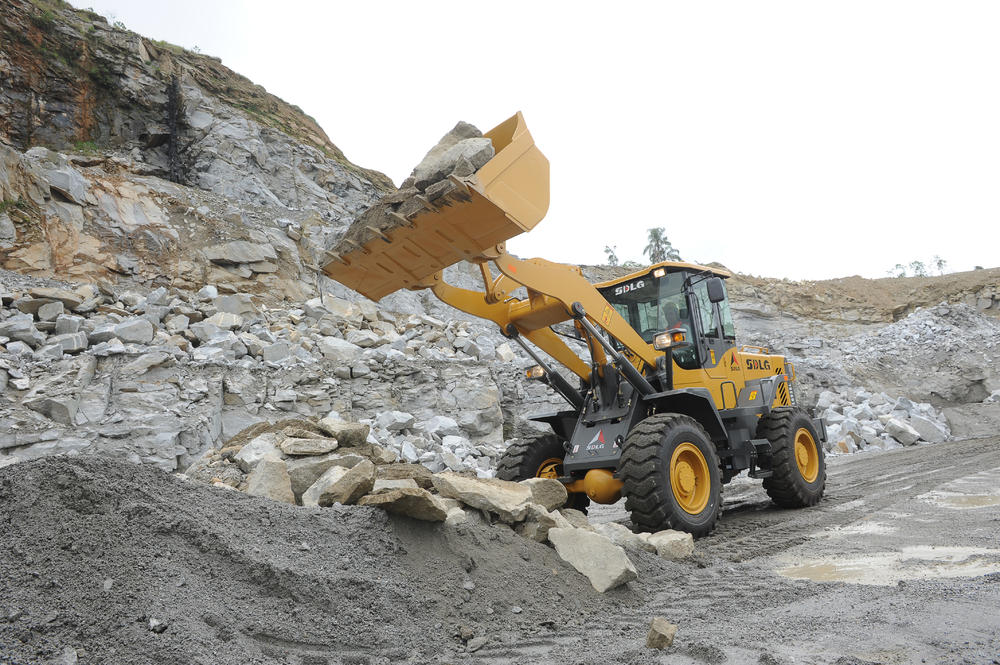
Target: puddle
888, 568
964, 500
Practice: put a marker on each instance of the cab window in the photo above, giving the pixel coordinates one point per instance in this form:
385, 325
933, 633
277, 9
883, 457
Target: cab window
706, 312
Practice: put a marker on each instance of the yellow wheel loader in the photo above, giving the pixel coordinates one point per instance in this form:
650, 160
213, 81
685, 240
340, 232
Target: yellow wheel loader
665, 408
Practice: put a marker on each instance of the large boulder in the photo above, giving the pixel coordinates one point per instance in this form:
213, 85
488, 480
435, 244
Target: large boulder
928, 429
671, 544
508, 500
270, 479
304, 471
901, 431
547, 492
409, 501
339, 484
347, 434
603, 563
308, 445
257, 449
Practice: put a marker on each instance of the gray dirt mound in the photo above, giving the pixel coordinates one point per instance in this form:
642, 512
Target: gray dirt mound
105, 562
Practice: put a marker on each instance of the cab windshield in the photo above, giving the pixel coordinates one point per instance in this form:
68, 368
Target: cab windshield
653, 305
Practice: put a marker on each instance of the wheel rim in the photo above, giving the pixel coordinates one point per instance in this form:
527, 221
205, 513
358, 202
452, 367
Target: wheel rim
690, 478
549, 468
806, 455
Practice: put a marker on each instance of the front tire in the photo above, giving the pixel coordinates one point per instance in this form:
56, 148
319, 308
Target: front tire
671, 475
798, 466
541, 457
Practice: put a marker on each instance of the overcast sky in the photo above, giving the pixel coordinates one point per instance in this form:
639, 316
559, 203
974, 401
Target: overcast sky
790, 139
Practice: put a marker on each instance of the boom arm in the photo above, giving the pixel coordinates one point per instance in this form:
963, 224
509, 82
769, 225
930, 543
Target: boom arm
552, 290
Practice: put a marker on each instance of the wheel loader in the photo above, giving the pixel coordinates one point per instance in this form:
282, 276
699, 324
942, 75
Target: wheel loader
664, 409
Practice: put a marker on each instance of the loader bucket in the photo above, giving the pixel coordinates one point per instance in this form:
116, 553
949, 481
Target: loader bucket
506, 197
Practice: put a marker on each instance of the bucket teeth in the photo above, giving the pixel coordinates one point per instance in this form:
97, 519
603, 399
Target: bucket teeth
405, 221
378, 232
425, 203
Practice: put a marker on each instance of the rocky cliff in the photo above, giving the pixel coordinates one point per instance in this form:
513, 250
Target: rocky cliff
161, 224
127, 157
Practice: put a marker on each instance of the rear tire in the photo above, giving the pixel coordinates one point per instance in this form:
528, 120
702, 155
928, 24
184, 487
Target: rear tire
798, 466
671, 475
541, 457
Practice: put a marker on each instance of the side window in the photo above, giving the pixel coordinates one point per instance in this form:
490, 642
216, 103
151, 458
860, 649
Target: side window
706, 312
728, 327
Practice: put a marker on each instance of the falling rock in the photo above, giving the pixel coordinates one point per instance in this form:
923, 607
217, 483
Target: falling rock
256, 450
901, 431
409, 501
308, 446
661, 634
927, 429
304, 471
510, 501
341, 485
347, 434
671, 544
605, 564
270, 479
547, 492
134, 331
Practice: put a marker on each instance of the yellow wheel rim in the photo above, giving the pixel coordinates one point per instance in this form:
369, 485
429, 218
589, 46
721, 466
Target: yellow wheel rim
549, 468
690, 478
806, 455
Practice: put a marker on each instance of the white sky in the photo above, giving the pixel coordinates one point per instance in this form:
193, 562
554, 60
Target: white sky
791, 139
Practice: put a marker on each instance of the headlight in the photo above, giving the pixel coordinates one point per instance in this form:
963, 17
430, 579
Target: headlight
669, 339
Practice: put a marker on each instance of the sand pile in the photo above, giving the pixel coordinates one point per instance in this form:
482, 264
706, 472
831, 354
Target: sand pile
105, 562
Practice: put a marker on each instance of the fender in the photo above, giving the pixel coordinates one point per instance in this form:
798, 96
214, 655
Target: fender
694, 402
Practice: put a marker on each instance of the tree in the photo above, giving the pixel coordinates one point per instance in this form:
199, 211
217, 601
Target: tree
940, 264
898, 271
659, 248
612, 257
918, 268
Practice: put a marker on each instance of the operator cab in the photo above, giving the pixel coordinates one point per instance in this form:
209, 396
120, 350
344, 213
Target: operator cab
672, 295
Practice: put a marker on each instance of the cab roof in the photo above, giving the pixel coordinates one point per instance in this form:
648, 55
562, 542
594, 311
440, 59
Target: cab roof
669, 266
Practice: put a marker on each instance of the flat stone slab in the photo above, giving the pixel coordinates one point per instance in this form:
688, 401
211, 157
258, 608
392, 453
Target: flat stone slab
409, 501
602, 562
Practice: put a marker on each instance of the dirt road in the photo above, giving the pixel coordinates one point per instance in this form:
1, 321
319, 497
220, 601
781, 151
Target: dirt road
900, 563
105, 562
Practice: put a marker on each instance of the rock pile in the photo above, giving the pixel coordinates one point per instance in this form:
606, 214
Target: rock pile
461, 152
162, 375
330, 461
861, 420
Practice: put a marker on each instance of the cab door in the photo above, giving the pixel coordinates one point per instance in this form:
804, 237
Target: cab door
720, 359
